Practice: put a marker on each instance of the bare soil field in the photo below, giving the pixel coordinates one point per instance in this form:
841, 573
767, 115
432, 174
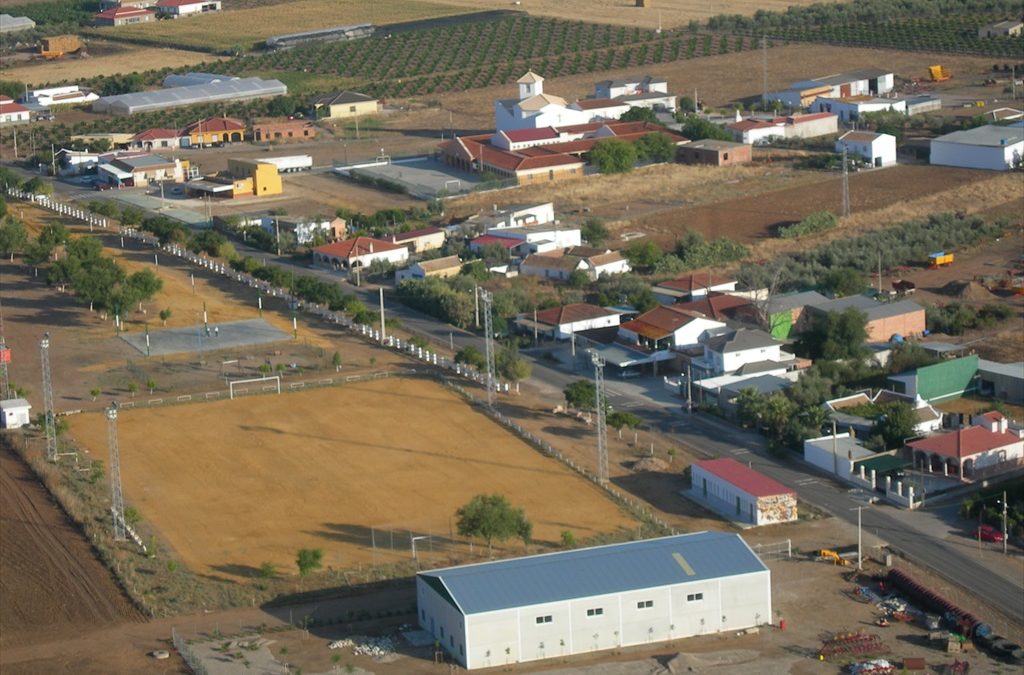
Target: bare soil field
244, 27
232, 484
106, 59
666, 13
50, 580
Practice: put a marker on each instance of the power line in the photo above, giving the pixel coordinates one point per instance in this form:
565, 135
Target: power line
116, 498
49, 422
602, 430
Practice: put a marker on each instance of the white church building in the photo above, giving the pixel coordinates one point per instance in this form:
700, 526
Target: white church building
534, 109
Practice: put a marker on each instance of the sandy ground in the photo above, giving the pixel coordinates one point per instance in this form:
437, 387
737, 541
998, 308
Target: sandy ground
107, 59
273, 483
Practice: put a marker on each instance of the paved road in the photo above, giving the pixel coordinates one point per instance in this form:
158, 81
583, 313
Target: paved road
713, 438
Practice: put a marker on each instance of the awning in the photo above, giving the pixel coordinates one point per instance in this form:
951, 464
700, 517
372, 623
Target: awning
623, 357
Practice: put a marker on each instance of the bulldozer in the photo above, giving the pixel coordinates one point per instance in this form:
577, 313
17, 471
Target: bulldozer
939, 74
829, 555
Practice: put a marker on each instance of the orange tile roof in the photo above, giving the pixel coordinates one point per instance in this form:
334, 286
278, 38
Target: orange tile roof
354, 248
579, 311
214, 124
964, 442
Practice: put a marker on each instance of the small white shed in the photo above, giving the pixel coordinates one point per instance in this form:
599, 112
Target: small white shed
878, 150
15, 413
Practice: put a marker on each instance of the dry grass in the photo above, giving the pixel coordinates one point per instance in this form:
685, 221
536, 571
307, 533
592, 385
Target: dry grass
231, 484
671, 13
244, 27
112, 60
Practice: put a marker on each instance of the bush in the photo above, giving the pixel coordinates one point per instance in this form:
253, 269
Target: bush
820, 221
613, 156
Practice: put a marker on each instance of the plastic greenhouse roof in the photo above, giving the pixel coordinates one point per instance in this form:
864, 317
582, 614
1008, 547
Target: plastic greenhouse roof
249, 87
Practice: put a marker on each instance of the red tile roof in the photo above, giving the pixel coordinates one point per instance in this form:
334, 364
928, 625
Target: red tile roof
413, 234
489, 239
964, 442
8, 105
591, 103
524, 135
661, 321
214, 124
714, 305
695, 280
123, 12
747, 125
579, 311
178, 3
746, 479
155, 134
354, 248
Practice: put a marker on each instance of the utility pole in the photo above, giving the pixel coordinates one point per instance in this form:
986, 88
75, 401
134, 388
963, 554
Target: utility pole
1006, 535
689, 389
382, 331
116, 498
277, 231
489, 347
846, 185
5, 356
859, 540
49, 421
53, 162
476, 305
764, 71
602, 431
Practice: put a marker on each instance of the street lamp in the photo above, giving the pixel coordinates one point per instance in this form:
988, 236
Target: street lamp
414, 540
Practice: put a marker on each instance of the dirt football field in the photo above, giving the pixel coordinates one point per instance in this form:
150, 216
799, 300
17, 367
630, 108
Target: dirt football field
233, 484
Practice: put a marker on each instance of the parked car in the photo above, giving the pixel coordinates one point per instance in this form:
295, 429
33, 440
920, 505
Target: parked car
989, 533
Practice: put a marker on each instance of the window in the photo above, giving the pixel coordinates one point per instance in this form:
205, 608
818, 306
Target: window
725, 156
442, 631
595, 612
645, 604
544, 619
694, 597
423, 614
451, 640
351, 108
737, 506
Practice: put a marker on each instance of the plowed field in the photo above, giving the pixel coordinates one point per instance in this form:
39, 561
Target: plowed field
51, 584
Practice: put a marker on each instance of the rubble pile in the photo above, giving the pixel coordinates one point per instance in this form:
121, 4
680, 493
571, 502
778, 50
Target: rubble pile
362, 645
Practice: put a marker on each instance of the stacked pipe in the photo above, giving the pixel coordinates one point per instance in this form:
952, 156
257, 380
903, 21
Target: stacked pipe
965, 623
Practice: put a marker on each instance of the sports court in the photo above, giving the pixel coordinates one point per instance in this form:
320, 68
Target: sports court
206, 338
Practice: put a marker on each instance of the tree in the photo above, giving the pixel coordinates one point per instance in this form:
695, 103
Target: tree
151, 385
812, 389
581, 395
165, 314
131, 216
594, 231
336, 361
95, 393
13, 237
844, 281
897, 424
635, 114
268, 570
38, 186
568, 539
643, 254
697, 128
132, 517
613, 156
492, 517
578, 279
619, 419
909, 356
471, 356
511, 365
687, 104
132, 388
655, 147
309, 560
835, 335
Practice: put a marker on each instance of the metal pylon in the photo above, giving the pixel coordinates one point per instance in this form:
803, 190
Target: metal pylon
116, 498
48, 418
489, 346
602, 430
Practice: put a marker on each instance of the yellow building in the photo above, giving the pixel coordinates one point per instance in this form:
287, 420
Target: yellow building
252, 176
344, 104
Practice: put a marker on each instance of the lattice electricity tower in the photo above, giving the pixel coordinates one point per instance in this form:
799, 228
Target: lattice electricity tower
116, 498
492, 382
602, 429
48, 417
846, 185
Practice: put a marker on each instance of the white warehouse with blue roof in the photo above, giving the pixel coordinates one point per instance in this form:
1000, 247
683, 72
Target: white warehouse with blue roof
571, 602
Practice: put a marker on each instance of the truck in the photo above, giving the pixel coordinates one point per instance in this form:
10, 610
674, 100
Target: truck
58, 45
940, 259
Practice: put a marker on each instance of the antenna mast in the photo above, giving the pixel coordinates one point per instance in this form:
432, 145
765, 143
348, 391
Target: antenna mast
602, 431
485, 295
116, 498
49, 422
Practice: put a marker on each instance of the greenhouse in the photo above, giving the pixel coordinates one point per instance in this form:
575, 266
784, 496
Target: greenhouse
175, 97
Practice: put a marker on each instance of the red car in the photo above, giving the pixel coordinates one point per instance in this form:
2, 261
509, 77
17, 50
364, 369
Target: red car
989, 533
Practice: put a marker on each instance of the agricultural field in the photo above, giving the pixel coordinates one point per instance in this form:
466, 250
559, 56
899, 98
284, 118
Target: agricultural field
241, 29
233, 484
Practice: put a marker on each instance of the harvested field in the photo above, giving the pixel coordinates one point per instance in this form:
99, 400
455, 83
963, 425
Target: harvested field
50, 579
104, 58
244, 27
670, 13
232, 484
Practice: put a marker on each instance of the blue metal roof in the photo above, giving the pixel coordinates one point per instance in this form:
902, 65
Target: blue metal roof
582, 573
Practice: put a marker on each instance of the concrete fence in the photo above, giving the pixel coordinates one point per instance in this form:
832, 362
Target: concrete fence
47, 202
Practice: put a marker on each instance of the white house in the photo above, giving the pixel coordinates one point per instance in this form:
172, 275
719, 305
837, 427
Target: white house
561, 322
929, 420
600, 261
418, 241
757, 130
600, 108
534, 109
640, 91
876, 149
13, 113
664, 328
989, 147
540, 238
359, 252
515, 215
850, 108
14, 413
835, 454
988, 446
741, 494
179, 8
691, 286
727, 352
437, 267
606, 597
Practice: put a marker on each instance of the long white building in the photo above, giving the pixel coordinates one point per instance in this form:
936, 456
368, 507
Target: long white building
556, 604
989, 147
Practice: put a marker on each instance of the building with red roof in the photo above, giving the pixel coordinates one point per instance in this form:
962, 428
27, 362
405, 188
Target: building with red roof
758, 130
213, 131
124, 16
989, 446
741, 494
149, 139
359, 252
692, 286
13, 113
561, 322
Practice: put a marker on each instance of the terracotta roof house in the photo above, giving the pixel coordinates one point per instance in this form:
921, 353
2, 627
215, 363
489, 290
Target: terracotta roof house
691, 287
969, 452
13, 113
717, 306
561, 322
665, 328
155, 138
122, 16
359, 252
213, 131
740, 493
418, 241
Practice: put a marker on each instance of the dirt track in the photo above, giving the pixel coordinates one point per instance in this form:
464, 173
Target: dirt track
49, 576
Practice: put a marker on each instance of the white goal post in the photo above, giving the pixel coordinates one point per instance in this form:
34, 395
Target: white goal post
266, 384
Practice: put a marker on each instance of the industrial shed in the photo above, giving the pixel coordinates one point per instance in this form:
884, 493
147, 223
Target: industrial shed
228, 90
587, 600
990, 147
